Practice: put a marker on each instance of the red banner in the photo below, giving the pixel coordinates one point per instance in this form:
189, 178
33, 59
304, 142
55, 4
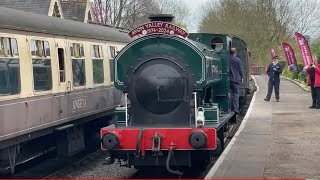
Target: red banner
273, 53
289, 53
158, 28
304, 49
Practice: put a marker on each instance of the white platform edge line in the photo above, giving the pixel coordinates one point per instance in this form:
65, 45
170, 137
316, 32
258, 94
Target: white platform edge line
243, 124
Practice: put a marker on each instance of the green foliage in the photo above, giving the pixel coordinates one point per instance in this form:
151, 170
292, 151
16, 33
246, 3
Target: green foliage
300, 67
294, 75
302, 77
283, 64
286, 72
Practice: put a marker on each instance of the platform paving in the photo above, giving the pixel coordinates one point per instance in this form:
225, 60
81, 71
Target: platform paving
276, 139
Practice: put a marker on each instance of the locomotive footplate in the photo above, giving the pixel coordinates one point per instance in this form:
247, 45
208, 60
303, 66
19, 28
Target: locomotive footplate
154, 139
162, 147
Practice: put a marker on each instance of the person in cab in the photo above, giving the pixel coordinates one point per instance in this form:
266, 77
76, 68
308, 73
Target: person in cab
274, 71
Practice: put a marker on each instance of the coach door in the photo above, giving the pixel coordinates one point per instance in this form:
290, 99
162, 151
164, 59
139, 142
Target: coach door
63, 77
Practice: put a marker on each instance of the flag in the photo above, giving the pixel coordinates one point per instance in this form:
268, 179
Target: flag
304, 49
289, 53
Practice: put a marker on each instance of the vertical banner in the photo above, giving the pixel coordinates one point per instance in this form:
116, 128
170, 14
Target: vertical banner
273, 53
304, 49
289, 53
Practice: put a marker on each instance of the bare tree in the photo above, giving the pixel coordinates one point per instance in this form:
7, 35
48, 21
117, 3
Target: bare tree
121, 13
130, 13
305, 16
178, 8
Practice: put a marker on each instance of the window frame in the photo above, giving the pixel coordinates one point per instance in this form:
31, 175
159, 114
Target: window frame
101, 58
112, 58
82, 44
35, 38
17, 95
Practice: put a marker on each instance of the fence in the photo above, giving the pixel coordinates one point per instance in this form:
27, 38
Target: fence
257, 70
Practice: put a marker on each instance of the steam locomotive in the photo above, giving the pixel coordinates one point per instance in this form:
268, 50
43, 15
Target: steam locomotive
177, 97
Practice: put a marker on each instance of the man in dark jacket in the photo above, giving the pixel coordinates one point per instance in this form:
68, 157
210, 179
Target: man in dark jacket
236, 76
274, 70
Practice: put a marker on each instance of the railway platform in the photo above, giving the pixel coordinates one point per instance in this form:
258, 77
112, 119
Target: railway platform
275, 139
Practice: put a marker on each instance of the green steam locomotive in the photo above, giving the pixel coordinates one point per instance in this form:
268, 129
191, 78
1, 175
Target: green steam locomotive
177, 97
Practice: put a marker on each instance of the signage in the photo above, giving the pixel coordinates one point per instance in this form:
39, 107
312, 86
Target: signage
289, 53
79, 103
304, 49
157, 27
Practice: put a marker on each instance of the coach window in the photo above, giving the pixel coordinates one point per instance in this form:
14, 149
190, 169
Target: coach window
111, 61
41, 64
9, 67
97, 62
78, 64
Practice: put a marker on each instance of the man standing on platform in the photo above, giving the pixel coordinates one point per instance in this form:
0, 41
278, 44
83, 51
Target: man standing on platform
274, 70
236, 78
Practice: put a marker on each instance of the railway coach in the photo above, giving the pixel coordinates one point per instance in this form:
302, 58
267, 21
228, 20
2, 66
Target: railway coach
177, 97
56, 77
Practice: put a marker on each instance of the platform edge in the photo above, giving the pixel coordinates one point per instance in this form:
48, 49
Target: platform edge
215, 167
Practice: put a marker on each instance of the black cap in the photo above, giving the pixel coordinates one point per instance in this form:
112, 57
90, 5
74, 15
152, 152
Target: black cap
161, 17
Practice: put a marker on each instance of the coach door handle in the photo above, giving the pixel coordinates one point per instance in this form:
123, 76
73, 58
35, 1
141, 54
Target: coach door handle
69, 86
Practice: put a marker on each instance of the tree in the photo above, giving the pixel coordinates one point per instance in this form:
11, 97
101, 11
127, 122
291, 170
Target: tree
261, 23
121, 13
131, 13
178, 8
315, 47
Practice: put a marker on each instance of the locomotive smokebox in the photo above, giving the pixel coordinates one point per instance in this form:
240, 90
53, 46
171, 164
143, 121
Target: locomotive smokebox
161, 17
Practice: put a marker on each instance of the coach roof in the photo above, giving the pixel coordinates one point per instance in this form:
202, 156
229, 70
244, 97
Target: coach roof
26, 21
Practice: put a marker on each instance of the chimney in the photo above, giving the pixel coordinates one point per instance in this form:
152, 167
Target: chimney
161, 17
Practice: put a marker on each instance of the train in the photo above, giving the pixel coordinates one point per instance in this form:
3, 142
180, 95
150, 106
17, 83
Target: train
56, 84
177, 97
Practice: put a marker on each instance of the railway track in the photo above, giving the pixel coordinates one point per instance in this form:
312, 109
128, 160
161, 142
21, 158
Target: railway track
50, 167
57, 168
77, 162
